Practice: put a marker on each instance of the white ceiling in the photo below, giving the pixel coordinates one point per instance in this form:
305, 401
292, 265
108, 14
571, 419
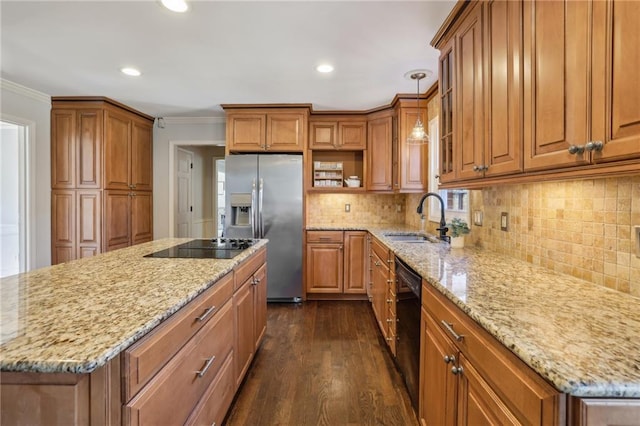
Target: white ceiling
221, 52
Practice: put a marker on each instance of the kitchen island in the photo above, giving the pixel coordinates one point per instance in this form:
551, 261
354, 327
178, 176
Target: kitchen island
582, 338
71, 331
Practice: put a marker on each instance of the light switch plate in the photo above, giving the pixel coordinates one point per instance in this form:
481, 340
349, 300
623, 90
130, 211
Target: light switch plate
347, 208
477, 217
504, 221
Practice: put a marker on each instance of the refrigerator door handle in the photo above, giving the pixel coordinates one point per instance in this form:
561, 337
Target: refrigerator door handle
260, 224
253, 209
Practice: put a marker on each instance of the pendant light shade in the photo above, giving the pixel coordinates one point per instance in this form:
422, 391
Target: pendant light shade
418, 135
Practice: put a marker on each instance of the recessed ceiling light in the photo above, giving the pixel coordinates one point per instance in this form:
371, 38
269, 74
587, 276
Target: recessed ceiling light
176, 5
130, 71
324, 68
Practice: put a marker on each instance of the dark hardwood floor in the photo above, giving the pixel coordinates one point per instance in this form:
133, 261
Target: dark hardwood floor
322, 363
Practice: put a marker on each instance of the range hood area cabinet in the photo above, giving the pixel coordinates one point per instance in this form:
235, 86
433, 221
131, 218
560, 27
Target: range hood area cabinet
507, 118
271, 128
101, 177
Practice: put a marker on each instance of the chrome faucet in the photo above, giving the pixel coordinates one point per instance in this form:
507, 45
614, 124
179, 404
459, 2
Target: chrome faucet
443, 223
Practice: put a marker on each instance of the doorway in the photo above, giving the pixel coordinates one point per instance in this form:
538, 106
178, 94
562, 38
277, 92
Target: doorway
13, 198
184, 206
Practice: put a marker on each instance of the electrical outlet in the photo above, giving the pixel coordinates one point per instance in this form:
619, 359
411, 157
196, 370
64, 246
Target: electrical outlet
636, 232
504, 221
477, 217
347, 208
399, 208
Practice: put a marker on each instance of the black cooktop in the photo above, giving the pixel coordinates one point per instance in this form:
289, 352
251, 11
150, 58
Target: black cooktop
217, 248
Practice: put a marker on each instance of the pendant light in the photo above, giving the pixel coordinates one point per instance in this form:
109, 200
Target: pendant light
418, 135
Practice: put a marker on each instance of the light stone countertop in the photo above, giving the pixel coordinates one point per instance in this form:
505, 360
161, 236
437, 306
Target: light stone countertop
76, 316
583, 338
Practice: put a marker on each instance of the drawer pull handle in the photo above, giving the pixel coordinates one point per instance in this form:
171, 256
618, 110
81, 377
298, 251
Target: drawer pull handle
449, 359
255, 281
202, 372
456, 370
206, 313
449, 327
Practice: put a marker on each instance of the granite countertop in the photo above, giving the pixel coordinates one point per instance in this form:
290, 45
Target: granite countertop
581, 337
76, 316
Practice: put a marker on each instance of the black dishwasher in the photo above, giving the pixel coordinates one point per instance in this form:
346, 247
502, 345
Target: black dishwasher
408, 293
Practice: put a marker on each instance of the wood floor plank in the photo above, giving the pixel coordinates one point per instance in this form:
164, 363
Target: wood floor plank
322, 363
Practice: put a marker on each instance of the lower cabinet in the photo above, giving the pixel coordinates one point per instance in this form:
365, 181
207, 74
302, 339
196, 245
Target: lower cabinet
468, 378
383, 290
335, 264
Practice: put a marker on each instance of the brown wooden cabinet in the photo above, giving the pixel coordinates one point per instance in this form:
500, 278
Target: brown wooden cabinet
383, 291
379, 153
273, 129
518, 103
410, 160
464, 377
99, 147
250, 312
337, 133
336, 264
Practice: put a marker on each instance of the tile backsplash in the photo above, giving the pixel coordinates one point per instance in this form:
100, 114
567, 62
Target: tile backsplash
329, 209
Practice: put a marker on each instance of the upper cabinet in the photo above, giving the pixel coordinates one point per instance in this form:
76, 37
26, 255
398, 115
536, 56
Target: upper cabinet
379, 153
268, 129
338, 133
518, 100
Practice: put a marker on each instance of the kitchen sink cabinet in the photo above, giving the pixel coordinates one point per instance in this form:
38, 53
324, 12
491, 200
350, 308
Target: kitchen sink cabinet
469, 378
101, 158
272, 129
337, 133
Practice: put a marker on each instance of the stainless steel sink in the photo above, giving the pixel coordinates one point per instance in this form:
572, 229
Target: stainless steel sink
411, 238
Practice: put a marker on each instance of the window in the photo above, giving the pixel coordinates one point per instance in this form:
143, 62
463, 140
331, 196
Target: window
456, 200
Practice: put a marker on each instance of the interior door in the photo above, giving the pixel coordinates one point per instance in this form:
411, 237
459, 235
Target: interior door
184, 214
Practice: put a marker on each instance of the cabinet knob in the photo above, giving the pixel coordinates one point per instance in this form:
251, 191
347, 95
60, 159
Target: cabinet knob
575, 149
456, 370
449, 359
594, 146
377, 263
389, 300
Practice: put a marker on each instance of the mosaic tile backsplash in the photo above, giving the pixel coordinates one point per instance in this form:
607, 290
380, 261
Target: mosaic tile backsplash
583, 228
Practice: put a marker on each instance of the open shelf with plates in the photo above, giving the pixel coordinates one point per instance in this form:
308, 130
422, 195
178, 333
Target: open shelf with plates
330, 168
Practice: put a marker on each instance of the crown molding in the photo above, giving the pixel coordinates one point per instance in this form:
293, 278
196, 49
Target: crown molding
194, 120
25, 91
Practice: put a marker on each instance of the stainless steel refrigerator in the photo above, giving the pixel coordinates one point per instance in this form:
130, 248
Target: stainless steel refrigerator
263, 197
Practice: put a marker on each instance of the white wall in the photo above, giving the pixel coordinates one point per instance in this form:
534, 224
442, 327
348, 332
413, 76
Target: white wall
183, 131
28, 105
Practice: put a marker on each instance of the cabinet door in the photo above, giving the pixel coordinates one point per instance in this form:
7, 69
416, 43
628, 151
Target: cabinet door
412, 159
89, 149
260, 303
478, 404
556, 82
63, 148
63, 226
285, 132
324, 267
379, 154
469, 93
379, 277
447, 78
323, 135
438, 386
141, 217
352, 135
243, 306
246, 132
503, 148
89, 223
616, 92
355, 262
141, 156
117, 216
117, 151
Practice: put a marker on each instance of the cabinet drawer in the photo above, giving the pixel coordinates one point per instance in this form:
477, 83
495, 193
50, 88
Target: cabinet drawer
248, 267
381, 250
216, 401
527, 394
172, 394
324, 236
146, 357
